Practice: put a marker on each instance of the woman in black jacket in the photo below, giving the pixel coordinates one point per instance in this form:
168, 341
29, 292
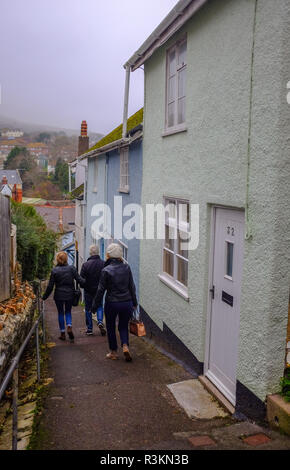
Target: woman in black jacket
62, 277
116, 278
91, 272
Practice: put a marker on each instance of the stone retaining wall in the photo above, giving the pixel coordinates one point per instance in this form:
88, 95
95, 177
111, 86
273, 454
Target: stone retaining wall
15, 328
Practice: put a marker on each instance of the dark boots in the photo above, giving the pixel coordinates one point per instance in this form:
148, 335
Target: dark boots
102, 328
70, 334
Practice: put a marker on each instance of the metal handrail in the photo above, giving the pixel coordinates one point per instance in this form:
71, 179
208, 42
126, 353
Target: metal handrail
13, 369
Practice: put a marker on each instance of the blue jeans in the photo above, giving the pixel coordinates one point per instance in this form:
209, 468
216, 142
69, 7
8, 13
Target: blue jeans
64, 310
88, 310
124, 311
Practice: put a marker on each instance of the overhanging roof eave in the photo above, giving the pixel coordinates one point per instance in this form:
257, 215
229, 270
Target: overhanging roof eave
175, 19
112, 146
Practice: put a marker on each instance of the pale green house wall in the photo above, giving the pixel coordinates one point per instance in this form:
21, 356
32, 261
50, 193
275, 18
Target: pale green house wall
208, 165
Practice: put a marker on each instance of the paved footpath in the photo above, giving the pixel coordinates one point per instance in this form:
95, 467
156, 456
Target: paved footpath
96, 403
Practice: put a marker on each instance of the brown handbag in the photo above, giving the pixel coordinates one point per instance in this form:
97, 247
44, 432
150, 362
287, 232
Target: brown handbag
137, 327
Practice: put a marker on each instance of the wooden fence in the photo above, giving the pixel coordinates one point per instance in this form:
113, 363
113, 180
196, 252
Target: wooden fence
5, 247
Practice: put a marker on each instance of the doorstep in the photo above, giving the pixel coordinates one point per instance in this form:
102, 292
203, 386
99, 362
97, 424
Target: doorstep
278, 412
197, 403
213, 390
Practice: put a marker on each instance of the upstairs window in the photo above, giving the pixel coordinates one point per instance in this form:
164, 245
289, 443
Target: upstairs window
95, 188
176, 85
124, 170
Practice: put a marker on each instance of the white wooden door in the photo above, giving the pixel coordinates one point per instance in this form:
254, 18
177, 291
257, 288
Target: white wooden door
227, 263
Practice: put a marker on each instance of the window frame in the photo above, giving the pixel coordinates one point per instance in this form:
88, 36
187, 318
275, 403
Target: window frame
124, 159
226, 275
102, 248
173, 222
125, 250
176, 127
96, 173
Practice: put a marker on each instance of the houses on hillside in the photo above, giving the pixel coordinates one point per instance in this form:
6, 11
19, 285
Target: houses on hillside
11, 133
215, 150
35, 148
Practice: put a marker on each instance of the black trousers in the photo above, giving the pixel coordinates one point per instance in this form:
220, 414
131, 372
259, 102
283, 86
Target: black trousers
122, 310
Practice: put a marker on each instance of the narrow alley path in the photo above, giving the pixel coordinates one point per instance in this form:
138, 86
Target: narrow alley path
94, 403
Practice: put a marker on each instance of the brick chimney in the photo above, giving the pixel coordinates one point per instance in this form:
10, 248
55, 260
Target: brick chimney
83, 139
4, 180
19, 193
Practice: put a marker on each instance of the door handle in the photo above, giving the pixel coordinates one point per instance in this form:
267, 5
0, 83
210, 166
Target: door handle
212, 292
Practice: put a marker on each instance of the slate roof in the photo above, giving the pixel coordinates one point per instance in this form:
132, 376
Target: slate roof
13, 176
51, 216
5, 190
116, 134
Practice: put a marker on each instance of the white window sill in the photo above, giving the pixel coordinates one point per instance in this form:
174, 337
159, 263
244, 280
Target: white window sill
182, 291
174, 130
95, 190
123, 190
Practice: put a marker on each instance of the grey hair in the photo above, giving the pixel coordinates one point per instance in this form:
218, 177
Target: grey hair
94, 250
114, 250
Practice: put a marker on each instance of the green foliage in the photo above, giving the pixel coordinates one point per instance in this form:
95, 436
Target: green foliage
43, 137
61, 175
13, 159
45, 189
20, 158
36, 244
285, 385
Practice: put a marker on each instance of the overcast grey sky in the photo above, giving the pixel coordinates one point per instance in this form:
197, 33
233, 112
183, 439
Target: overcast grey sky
61, 61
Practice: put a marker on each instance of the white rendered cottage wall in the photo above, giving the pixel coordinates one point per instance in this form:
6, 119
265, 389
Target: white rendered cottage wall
207, 165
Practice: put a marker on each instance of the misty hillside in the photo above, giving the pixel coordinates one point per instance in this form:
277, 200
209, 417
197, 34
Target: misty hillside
30, 127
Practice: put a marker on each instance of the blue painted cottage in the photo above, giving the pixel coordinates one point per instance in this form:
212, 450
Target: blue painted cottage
115, 180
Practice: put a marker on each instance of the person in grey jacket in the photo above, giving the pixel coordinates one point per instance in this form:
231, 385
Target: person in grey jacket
62, 277
117, 280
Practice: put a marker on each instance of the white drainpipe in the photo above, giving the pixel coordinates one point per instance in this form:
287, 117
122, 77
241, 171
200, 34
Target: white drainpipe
69, 179
126, 100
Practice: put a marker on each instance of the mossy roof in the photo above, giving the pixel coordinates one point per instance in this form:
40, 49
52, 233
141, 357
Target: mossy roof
77, 192
116, 134
33, 201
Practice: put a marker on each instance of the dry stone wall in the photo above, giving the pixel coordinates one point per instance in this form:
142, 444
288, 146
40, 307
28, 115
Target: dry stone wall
16, 317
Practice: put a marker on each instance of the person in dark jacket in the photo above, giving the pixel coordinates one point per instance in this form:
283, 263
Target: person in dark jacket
62, 277
91, 272
117, 280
